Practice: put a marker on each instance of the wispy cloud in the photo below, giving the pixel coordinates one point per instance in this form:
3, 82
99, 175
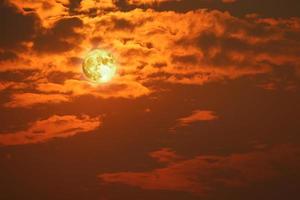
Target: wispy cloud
197, 116
165, 155
204, 174
27, 100
56, 126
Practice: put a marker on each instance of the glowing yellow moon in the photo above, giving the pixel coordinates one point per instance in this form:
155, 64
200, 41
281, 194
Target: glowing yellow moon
99, 66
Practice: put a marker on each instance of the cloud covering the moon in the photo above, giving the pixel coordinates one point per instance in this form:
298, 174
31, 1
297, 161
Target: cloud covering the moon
201, 47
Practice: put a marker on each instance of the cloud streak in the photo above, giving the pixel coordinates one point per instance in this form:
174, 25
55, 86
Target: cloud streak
204, 174
197, 116
56, 126
27, 100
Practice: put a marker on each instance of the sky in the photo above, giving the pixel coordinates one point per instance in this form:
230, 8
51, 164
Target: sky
204, 104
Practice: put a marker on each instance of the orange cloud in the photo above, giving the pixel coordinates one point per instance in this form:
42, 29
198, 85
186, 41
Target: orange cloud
27, 100
229, 1
196, 116
89, 5
195, 47
47, 10
148, 2
204, 174
55, 126
53, 93
11, 85
116, 89
165, 155
209, 51
268, 86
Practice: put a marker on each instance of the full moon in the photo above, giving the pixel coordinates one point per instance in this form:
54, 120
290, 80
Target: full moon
99, 66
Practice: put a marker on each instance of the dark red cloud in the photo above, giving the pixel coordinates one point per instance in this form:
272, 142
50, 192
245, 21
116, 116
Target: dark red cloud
16, 26
73, 5
8, 55
62, 35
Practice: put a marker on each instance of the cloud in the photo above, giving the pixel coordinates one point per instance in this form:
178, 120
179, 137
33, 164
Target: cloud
202, 46
4, 86
44, 22
196, 47
8, 55
206, 174
196, 116
229, 1
236, 7
46, 10
10, 85
165, 155
88, 5
16, 26
56, 126
74, 87
268, 86
74, 5
62, 36
27, 100
54, 93
149, 2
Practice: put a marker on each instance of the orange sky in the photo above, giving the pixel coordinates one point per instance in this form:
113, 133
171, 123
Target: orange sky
204, 105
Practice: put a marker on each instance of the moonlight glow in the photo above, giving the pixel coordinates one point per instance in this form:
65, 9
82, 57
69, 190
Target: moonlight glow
99, 66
